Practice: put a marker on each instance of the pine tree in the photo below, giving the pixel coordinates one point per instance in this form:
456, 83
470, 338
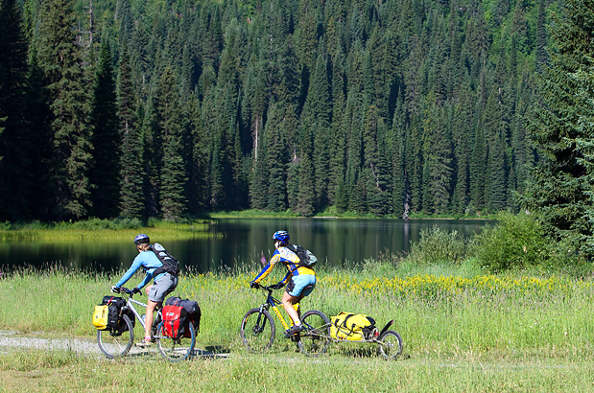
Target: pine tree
16, 139
106, 140
558, 190
131, 201
174, 203
276, 159
318, 111
61, 60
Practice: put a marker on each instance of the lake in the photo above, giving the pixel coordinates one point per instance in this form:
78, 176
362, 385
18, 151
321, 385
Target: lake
241, 241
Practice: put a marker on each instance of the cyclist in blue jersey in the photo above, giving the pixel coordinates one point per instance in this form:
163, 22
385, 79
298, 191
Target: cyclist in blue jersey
300, 279
164, 281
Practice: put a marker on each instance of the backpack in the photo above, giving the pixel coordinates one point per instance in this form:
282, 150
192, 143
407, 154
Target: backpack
192, 310
352, 327
306, 257
170, 264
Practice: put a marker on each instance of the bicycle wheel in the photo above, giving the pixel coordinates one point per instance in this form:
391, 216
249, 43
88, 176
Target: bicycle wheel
390, 344
314, 338
176, 349
257, 330
118, 345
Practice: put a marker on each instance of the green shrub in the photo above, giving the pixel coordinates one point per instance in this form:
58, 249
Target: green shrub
515, 242
436, 245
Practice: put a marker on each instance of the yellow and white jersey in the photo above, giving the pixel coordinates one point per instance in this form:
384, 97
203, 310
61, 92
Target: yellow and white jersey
289, 259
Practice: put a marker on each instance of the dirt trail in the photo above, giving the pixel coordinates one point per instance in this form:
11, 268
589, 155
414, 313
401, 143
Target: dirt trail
11, 339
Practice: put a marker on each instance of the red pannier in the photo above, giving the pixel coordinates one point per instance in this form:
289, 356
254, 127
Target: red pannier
175, 319
177, 313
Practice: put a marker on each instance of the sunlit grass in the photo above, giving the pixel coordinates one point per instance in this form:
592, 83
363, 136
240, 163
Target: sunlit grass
437, 315
103, 230
291, 372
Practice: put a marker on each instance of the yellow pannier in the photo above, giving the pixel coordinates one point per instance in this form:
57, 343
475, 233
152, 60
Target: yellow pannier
100, 317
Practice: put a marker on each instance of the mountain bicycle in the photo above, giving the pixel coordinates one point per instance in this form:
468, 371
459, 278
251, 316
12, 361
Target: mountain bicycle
115, 344
258, 329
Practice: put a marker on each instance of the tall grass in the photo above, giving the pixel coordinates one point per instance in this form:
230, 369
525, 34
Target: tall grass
436, 315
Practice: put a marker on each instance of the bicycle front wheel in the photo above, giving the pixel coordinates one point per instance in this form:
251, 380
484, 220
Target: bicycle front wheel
314, 338
257, 330
390, 344
176, 349
116, 344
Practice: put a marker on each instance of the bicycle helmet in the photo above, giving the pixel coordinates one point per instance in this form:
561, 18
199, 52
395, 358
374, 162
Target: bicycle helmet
282, 236
141, 238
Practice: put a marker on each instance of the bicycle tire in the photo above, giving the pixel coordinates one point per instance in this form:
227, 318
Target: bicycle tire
176, 349
116, 346
254, 332
390, 344
315, 336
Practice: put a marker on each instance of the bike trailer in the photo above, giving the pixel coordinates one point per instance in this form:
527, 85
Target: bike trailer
177, 313
352, 327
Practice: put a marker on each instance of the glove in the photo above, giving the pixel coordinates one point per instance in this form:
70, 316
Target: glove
254, 285
278, 285
136, 290
115, 289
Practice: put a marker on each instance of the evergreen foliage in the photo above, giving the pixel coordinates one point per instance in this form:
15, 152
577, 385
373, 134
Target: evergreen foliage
105, 167
561, 188
390, 107
61, 60
16, 138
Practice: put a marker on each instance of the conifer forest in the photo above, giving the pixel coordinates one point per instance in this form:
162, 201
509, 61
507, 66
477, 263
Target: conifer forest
172, 108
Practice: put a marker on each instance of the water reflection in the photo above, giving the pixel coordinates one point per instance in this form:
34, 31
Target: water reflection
241, 241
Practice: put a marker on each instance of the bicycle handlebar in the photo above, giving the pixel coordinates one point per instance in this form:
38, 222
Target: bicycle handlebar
268, 288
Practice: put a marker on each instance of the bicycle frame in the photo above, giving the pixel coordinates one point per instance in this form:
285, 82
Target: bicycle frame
273, 302
130, 304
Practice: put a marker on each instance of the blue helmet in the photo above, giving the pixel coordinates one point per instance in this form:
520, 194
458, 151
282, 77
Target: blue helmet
141, 238
282, 236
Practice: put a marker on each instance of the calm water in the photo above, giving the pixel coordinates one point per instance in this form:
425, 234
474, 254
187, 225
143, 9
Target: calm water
241, 241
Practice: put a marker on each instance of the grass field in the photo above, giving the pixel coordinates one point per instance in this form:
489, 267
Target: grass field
288, 372
463, 331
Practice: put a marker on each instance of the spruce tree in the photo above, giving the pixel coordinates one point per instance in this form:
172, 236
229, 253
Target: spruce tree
106, 139
16, 139
560, 187
60, 57
173, 199
276, 159
132, 173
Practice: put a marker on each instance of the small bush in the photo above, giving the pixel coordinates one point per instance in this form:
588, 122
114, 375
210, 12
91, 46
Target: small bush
516, 242
437, 245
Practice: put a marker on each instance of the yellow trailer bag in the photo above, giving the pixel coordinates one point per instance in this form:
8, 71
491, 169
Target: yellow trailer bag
352, 327
100, 317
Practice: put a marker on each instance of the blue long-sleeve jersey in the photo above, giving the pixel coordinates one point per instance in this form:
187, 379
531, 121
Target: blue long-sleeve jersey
149, 261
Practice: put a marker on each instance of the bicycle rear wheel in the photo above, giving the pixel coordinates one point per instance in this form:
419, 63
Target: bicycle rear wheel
390, 344
314, 338
176, 349
114, 346
257, 330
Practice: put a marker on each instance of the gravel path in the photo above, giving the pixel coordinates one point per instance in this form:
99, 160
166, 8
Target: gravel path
11, 339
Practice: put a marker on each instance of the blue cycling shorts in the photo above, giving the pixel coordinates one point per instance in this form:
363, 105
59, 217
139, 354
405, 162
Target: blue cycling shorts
296, 285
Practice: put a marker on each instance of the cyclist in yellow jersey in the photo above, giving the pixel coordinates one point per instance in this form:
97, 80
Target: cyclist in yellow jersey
300, 279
